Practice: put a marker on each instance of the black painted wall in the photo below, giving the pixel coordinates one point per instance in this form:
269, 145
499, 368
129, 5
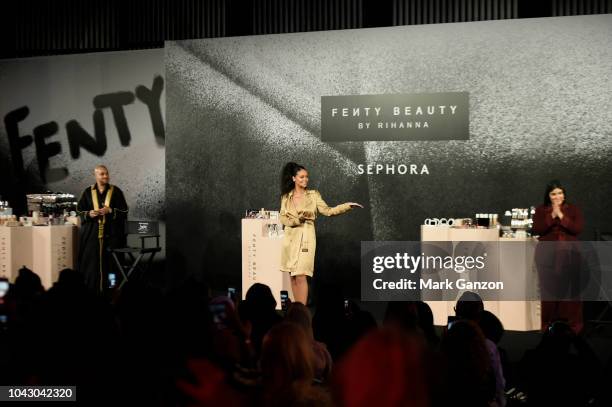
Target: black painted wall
34, 27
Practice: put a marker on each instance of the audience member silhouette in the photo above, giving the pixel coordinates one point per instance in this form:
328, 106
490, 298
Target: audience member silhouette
493, 330
287, 366
337, 322
19, 308
402, 314
426, 323
80, 338
179, 347
469, 379
470, 307
259, 311
387, 367
231, 344
562, 370
299, 314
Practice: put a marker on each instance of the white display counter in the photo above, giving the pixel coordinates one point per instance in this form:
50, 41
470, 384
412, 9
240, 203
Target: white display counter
15, 250
46, 250
53, 249
261, 248
514, 315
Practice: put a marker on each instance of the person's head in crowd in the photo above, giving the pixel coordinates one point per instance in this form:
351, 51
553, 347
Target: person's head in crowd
330, 300
286, 356
19, 301
385, 368
259, 297
258, 313
245, 314
469, 306
338, 322
469, 376
300, 315
464, 341
491, 326
228, 334
138, 309
224, 314
70, 283
426, 322
402, 314
220, 308
191, 323
563, 370
70, 278
27, 284
358, 323
287, 366
558, 337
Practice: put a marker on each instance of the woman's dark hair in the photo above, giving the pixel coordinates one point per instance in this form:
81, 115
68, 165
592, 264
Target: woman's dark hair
491, 326
290, 170
554, 184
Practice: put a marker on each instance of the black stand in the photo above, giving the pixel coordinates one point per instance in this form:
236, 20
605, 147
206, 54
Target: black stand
137, 254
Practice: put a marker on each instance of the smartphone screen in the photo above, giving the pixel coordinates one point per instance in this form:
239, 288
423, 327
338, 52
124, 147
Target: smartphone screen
451, 321
284, 295
4, 287
231, 293
218, 314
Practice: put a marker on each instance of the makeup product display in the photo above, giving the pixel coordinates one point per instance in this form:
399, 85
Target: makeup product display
481, 220
44, 242
487, 220
5, 209
261, 214
518, 223
51, 204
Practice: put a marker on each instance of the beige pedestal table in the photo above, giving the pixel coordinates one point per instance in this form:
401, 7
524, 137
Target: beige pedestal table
15, 250
54, 249
261, 248
46, 250
514, 315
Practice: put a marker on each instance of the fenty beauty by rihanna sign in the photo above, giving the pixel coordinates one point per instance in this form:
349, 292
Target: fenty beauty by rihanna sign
397, 117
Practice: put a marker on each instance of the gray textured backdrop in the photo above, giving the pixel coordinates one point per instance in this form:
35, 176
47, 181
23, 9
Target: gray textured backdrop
239, 108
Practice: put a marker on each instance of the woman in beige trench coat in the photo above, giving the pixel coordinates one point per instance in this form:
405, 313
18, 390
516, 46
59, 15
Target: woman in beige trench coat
299, 208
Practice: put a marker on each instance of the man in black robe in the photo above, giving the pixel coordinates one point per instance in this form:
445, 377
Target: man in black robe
103, 211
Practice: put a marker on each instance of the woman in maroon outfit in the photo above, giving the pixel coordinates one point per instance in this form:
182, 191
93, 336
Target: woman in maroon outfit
559, 263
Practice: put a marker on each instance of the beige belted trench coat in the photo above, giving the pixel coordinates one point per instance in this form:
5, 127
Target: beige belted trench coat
299, 241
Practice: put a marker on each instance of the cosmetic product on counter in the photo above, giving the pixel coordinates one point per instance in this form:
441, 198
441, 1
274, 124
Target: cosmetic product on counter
518, 222
5, 209
8, 220
51, 203
483, 220
261, 213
